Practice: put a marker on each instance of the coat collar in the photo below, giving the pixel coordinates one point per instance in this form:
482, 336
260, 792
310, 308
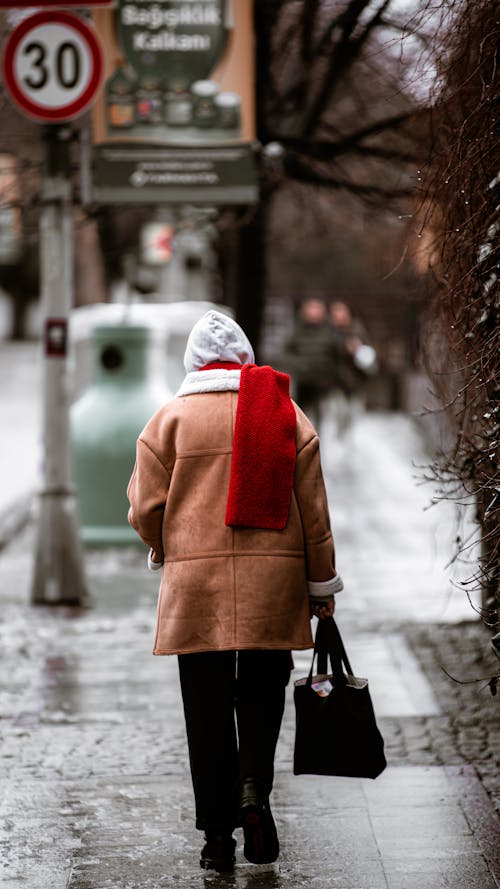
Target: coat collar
218, 380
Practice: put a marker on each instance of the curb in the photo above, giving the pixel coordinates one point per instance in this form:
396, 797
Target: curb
479, 813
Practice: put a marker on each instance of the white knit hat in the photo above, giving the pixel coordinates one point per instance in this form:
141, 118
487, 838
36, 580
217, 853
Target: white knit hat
216, 337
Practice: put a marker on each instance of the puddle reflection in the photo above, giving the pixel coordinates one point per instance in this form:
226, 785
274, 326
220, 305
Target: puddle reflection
245, 878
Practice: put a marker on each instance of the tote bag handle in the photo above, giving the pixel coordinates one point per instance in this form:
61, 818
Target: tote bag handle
328, 643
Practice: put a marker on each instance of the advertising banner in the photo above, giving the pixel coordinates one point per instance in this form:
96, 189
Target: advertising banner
179, 75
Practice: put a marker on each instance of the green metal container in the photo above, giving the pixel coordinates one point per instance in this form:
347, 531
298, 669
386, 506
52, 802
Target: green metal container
105, 424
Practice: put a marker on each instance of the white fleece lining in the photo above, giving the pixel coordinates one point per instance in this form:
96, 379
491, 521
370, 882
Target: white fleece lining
216, 380
153, 566
319, 589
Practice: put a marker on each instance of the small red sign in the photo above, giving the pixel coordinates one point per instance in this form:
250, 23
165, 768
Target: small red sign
56, 337
53, 66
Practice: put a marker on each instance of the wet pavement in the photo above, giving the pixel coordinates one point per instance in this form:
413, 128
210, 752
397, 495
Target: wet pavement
95, 786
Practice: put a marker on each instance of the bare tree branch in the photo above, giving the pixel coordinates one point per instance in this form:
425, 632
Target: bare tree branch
309, 20
343, 56
327, 151
305, 173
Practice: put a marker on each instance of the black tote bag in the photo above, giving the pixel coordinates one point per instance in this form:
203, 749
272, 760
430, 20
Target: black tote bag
335, 728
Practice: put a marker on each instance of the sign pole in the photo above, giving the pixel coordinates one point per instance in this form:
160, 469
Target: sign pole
59, 577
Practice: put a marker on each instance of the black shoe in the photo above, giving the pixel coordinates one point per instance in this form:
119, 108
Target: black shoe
261, 839
218, 852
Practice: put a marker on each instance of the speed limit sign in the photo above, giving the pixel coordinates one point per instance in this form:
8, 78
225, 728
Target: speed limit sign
53, 66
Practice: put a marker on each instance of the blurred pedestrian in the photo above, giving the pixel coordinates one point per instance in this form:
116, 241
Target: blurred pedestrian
228, 493
309, 356
355, 361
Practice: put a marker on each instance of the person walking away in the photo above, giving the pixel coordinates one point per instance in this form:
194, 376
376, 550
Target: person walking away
228, 494
355, 361
310, 357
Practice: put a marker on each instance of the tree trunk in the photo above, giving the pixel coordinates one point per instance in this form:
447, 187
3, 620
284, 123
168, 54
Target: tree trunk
249, 300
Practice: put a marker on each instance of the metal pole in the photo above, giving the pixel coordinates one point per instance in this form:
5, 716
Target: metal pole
59, 577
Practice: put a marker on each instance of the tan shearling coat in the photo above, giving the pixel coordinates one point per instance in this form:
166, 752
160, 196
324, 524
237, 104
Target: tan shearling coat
224, 588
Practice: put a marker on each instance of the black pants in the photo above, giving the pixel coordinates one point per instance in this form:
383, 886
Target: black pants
216, 686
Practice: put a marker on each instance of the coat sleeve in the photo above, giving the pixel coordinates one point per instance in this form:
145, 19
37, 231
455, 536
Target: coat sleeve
310, 493
147, 493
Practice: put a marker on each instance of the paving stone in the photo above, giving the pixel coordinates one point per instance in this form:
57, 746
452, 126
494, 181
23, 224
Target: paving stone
420, 873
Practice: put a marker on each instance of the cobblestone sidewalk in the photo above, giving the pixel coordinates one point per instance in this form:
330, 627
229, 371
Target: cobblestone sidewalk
468, 730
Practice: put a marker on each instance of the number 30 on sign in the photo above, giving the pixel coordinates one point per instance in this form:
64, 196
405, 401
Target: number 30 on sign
53, 66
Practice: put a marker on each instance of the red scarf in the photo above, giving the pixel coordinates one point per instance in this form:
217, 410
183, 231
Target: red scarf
264, 452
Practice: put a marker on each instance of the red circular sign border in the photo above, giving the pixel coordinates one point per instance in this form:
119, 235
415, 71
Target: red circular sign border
78, 106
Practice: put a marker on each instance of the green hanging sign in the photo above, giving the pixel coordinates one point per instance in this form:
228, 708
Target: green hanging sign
142, 173
175, 41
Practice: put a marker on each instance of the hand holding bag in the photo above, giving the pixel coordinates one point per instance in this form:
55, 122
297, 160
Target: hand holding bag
336, 731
